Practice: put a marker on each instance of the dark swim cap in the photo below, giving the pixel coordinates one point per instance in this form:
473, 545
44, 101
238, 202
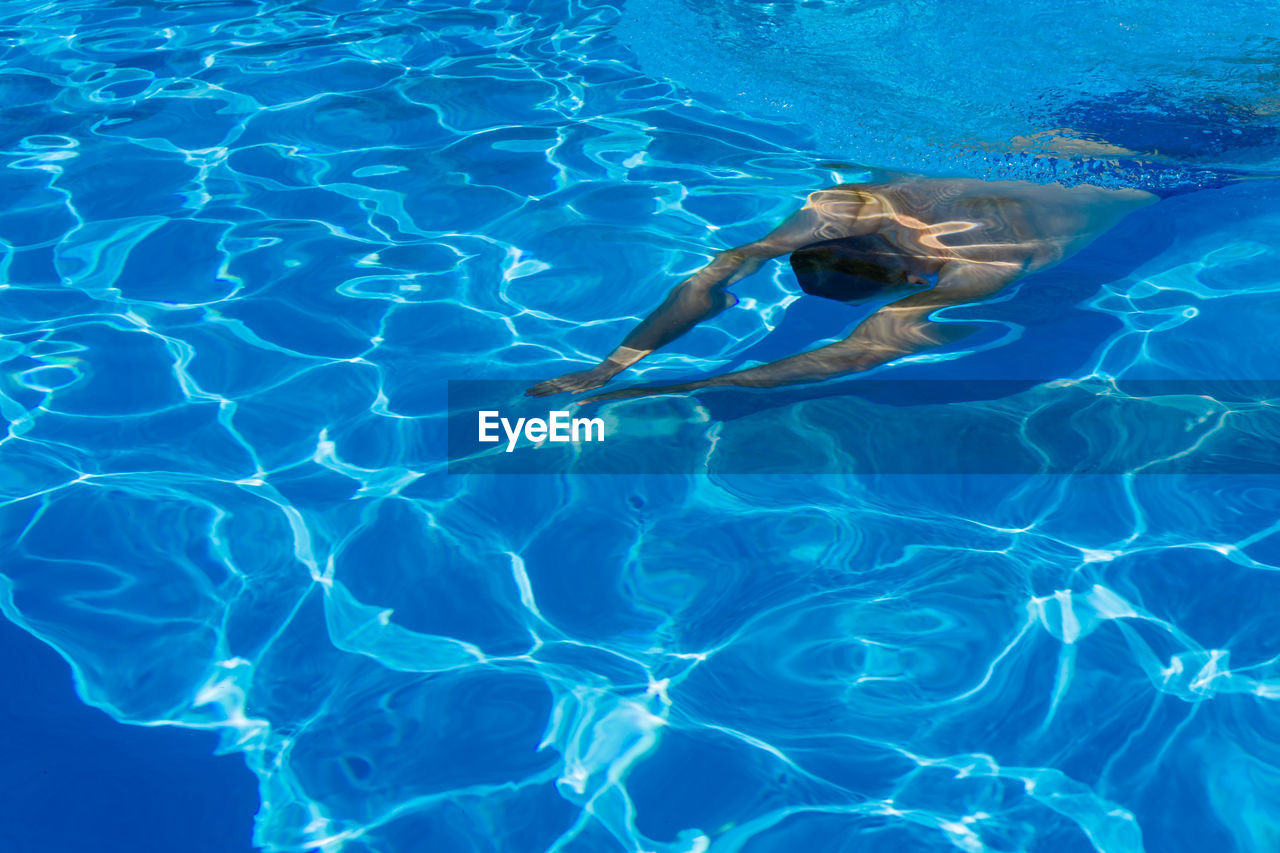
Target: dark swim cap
851, 269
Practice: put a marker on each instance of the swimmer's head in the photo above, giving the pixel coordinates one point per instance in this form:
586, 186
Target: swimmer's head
853, 270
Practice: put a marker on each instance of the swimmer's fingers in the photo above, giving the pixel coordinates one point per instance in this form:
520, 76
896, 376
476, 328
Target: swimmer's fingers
582, 380
543, 389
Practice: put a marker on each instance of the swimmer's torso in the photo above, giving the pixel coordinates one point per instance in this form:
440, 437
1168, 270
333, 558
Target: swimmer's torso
1015, 224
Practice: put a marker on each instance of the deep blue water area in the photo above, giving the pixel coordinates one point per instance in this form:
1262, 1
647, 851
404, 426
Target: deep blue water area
74, 779
1014, 594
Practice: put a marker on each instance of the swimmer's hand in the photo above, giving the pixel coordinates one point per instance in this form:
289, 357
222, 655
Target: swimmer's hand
577, 382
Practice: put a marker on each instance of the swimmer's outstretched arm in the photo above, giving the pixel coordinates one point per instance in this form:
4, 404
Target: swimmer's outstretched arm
829, 214
897, 329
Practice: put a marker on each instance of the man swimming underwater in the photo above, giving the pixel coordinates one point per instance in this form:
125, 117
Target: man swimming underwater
858, 241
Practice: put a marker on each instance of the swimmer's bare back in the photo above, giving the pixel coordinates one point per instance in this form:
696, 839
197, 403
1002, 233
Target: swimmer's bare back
977, 237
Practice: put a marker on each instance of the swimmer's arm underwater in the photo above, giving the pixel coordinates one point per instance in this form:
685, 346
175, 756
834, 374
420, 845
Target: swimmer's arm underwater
699, 297
829, 214
897, 329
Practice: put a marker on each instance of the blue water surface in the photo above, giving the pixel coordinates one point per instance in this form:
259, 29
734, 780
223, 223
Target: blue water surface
249, 242
76, 780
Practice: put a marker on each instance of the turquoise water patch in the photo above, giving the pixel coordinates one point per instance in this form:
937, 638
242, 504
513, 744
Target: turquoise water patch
983, 88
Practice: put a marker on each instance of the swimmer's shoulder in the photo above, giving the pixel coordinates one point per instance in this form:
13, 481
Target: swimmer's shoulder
924, 196
857, 189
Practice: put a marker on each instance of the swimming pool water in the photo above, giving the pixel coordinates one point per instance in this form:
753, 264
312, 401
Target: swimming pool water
249, 244
74, 779
977, 89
